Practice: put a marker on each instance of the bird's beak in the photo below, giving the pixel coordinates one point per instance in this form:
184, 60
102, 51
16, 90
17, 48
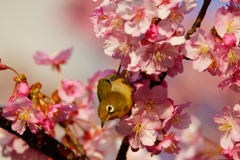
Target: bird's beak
104, 120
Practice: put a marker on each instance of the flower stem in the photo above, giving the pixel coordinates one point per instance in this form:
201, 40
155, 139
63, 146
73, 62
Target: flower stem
122, 151
199, 19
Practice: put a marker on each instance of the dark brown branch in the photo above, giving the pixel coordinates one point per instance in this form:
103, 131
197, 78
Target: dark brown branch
161, 77
122, 151
199, 19
42, 142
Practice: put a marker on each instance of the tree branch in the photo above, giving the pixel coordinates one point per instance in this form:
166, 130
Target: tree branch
42, 142
122, 151
199, 19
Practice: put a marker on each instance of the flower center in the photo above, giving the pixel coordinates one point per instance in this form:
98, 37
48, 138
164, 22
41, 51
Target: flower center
232, 58
232, 26
149, 105
175, 118
138, 128
117, 23
24, 115
58, 116
125, 48
138, 16
204, 50
225, 126
171, 148
102, 17
176, 16
69, 90
158, 56
214, 65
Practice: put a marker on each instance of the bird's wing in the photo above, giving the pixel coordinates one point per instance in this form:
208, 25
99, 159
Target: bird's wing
103, 87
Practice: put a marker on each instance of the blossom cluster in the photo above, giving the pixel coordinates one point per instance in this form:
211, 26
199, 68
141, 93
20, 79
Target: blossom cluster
218, 52
144, 34
71, 105
229, 124
148, 37
153, 114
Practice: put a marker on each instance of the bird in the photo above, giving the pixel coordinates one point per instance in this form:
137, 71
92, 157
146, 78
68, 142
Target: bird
115, 95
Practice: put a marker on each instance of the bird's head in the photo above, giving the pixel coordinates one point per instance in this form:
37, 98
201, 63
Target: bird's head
113, 105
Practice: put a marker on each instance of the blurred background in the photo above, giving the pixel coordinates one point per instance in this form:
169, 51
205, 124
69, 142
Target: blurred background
29, 26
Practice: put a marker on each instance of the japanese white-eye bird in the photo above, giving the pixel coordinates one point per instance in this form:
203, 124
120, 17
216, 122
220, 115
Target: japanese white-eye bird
115, 94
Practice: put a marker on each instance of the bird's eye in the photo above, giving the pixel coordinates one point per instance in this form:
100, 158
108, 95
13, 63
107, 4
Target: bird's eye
110, 108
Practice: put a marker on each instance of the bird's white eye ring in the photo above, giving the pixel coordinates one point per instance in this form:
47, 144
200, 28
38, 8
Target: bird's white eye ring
110, 108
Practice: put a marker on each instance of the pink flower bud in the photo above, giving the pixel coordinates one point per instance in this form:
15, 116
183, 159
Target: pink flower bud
229, 40
23, 89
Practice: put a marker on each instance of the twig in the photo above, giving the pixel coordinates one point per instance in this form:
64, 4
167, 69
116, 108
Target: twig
199, 19
42, 142
122, 151
161, 77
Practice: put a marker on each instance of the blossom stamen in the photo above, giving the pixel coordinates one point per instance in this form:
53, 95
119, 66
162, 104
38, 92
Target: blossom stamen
138, 16
138, 128
225, 126
25, 115
232, 58
125, 48
117, 23
159, 56
177, 16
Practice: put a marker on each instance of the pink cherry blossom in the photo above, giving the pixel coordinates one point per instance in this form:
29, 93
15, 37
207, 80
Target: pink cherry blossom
227, 22
156, 58
178, 119
232, 153
213, 68
138, 15
234, 6
192, 142
172, 15
45, 59
153, 101
11, 100
199, 48
106, 21
119, 46
97, 141
140, 129
23, 89
229, 59
164, 7
169, 144
22, 113
229, 40
177, 68
229, 123
151, 33
131, 63
71, 90
57, 113
233, 82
